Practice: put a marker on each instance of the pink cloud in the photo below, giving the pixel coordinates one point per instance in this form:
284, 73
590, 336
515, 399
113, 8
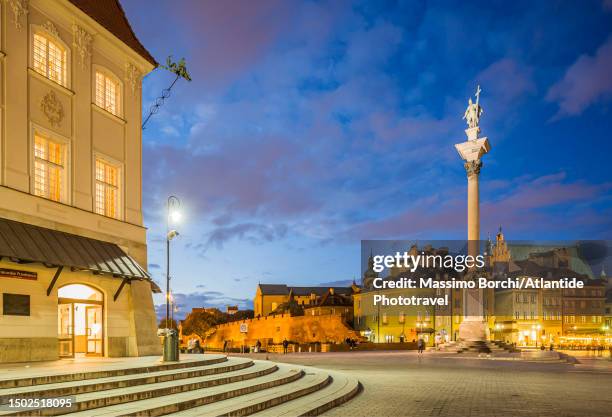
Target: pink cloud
586, 81
506, 80
231, 36
522, 209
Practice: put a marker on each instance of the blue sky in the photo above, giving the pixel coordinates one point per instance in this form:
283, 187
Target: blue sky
311, 125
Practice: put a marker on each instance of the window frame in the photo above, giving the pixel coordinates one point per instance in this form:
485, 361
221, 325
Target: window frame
42, 30
96, 68
120, 187
66, 190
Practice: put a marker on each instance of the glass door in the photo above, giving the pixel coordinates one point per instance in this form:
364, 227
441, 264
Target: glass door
93, 326
65, 331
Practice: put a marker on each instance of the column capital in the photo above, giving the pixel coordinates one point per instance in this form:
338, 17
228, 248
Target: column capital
473, 167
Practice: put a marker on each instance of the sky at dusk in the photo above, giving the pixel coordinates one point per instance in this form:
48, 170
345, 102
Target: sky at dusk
312, 125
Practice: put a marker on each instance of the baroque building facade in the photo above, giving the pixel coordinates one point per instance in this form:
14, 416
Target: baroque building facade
532, 317
73, 250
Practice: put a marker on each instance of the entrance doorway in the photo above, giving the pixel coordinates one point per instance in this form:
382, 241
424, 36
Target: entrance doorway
80, 321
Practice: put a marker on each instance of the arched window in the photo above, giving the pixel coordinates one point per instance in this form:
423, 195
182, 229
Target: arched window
79, 292
49, 57
108, 92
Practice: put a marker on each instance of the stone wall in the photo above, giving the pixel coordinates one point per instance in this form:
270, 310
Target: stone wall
28, 349
270, 329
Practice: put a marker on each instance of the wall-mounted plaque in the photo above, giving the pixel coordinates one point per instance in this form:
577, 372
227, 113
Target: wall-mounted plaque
15, 304
15, 273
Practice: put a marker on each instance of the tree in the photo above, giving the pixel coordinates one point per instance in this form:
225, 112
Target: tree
171, 324
242, 315
200, 321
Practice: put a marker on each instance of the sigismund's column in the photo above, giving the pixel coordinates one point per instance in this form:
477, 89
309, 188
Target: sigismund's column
473, 327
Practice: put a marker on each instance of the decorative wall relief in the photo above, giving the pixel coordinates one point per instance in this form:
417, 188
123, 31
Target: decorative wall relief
132, 76
82, 41
51, 28
19, 8
52, 107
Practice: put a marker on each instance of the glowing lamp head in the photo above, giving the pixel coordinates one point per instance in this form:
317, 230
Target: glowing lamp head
175, 216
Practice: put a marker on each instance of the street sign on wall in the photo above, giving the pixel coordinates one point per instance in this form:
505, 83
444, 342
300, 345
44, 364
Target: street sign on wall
15, 273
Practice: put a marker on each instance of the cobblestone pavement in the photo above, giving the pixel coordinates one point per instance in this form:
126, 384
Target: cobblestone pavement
404, 384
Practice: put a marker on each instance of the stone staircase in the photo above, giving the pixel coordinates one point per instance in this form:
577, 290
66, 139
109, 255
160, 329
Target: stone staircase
204, 385
494, 347
497, 349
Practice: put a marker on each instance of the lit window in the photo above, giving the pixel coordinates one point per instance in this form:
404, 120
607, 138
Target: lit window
49, 58
49, 161
107, 189
107, 93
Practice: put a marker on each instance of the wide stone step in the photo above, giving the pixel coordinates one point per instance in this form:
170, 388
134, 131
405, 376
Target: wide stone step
262, 400
166, 404
99, 399
120, 369
341, 389
115, 382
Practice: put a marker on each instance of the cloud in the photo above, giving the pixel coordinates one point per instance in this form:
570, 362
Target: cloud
546, 203
248, 185
585, 82
506, 80
321, 123
339, 283
253, 233
232, 36
188, 301
154, 266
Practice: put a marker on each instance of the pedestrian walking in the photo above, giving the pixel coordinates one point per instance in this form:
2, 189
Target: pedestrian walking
285, 346
420, 345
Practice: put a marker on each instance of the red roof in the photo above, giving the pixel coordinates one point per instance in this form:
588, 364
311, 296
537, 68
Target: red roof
110, 14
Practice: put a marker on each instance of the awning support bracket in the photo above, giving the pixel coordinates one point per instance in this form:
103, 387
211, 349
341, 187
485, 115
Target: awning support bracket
54, 280
125, 281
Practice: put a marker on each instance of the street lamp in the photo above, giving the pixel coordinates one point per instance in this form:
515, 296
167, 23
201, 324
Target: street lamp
537, 332
173, 216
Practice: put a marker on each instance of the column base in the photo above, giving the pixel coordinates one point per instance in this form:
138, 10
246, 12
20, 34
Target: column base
473, 331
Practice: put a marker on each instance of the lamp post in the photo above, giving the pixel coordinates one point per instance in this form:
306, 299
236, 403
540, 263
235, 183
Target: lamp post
173, 216
536, 329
